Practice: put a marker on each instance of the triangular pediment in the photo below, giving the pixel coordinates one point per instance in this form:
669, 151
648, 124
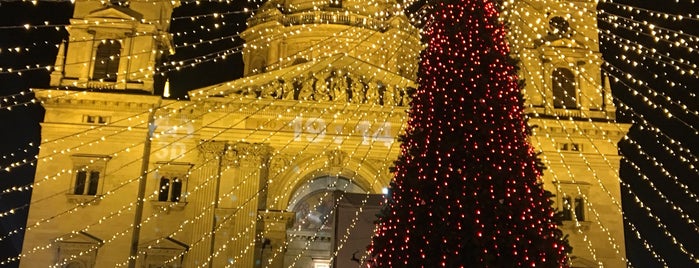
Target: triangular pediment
565, 42
165, 245
80, 238
342, 71
115, 12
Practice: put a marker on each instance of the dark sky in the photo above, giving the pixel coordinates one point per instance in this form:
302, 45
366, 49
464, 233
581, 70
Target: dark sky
659, 135
660, 159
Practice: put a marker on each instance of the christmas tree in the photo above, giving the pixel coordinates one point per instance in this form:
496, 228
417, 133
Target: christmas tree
467, 189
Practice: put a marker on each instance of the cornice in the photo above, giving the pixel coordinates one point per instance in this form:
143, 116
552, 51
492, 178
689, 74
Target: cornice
321, 109
95, 100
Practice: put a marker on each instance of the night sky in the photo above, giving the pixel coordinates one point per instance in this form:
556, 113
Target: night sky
669, 145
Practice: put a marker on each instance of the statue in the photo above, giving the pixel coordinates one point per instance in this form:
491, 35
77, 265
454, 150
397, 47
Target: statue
405, 97
306, 92
288, 90
357, 91
269, 91
322, 90
372, 93
389, 96
339, 83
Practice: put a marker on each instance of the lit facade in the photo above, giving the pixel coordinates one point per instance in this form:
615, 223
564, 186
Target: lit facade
248, 173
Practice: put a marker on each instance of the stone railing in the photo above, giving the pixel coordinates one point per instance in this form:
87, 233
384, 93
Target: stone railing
577, 113
101, 85
570, 113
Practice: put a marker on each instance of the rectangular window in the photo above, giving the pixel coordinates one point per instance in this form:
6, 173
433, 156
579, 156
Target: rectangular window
83, 186
580, 209
170, 189
94, 182
96, 119
89, 174
573, 207
567, 209
573, 147
176, 191
80, 179
171, 183
336, 3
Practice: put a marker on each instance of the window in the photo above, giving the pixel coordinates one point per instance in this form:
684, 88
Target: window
563, 83
170, 189
579, 208
88, 174
571, 198
107, 61
336, 3
85, 186
567, 214
571, 209
559, 26
96, 119
574, 147
171, 184
122, 3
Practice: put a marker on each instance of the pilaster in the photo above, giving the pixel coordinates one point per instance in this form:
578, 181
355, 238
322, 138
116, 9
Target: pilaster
203, 202
249, 194
273, 237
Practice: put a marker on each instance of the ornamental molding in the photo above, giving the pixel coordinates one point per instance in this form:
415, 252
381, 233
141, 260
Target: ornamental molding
237, 153
336, 158
273, 108
279, 162
96, 100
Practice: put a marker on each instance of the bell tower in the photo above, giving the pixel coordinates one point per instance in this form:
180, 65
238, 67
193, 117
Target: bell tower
572, 114
114, 45
558, 48
112, 49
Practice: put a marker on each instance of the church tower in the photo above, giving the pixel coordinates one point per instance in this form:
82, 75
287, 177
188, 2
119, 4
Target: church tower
571, 110
98, 113
114, 45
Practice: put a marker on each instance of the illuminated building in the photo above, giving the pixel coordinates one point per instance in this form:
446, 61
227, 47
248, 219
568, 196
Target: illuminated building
247, 173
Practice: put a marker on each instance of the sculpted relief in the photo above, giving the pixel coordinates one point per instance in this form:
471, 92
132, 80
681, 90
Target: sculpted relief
332, 85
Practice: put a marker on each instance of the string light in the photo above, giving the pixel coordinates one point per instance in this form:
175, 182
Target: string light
681, 149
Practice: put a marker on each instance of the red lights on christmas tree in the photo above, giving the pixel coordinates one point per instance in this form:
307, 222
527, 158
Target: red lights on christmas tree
466, 191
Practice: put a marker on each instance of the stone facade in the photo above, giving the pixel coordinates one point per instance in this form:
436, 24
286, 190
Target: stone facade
239, 175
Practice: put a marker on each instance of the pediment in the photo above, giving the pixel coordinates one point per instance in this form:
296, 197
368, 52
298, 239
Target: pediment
565, 42
165, 245
80, 238
115, 12
338, 78
578, 262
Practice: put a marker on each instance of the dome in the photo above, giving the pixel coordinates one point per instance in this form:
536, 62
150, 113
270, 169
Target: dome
283, 33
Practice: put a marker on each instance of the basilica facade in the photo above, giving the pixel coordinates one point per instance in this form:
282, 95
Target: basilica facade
287, 166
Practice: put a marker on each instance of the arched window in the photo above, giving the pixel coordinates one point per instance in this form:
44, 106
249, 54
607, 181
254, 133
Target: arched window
563, 82
107, 61
314, 203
